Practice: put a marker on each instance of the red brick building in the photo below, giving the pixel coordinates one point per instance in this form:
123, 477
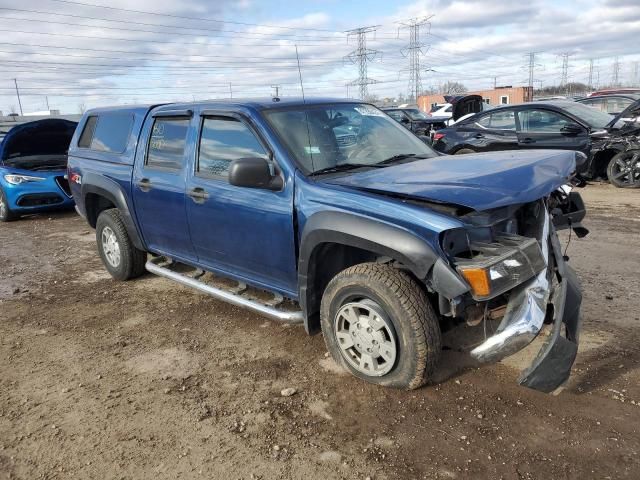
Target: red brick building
495, 96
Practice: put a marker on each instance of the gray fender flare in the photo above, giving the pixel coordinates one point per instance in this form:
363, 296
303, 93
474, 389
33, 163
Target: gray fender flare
109, 189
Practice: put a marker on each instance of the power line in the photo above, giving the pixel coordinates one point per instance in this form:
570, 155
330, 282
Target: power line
361, 56
106, 7
188, 33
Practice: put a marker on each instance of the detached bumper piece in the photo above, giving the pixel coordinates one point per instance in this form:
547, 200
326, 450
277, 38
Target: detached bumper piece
528, 307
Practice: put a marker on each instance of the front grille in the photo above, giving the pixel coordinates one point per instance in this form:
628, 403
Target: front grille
39, 199
63, 183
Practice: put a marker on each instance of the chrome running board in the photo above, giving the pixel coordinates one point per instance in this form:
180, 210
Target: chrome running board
226, 296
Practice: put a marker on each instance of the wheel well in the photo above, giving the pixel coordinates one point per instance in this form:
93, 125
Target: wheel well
601, 161
325, 262
94, 205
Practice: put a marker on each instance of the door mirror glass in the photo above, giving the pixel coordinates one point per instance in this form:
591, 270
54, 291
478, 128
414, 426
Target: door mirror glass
253, 172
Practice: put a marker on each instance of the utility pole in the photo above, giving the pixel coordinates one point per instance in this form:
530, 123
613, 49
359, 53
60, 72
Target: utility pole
413, 51
495, 82
277, 89
615, 74
590, 83
15, 81
361, 56
46, 98
230, 91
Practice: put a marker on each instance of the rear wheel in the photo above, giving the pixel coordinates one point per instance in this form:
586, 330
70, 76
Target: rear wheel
6, 215
623, 170
378, 323
120, 257
464, 151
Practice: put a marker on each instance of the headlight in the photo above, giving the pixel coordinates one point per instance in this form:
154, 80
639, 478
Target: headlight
495, 268
18, 179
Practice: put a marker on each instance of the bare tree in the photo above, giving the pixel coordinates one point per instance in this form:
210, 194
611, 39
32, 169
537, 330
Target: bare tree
452, 88
82, 107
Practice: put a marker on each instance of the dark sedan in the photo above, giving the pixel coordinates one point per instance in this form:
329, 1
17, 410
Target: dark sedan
551, 124
415, 120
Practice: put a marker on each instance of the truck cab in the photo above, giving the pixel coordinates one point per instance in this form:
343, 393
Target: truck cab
374, 242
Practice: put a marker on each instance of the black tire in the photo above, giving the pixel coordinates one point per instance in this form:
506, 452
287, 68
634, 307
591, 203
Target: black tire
616, 169
464, 151
6, 215
131, 260
415, 325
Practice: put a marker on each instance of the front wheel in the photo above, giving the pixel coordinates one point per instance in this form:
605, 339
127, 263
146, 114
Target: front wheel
623, 170
120, 257
378, 323
6, 215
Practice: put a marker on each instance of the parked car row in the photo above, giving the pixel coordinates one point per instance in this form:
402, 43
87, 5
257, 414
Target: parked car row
609, 144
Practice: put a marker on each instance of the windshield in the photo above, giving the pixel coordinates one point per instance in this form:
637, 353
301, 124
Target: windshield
596, 119
322, 137
416, 114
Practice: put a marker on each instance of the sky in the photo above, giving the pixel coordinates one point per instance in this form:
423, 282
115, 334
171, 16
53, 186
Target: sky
74, 55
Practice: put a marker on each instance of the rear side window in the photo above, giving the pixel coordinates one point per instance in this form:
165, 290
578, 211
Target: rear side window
167, 143
108, 132
502, 120
87, 132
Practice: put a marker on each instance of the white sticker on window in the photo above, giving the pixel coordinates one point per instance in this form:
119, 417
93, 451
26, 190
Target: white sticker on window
312, 150
369, 111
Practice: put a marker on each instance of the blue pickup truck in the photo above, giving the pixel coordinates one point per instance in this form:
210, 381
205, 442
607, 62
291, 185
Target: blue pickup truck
376, 241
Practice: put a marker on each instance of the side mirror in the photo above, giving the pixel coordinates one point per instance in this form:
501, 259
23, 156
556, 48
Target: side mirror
253, 173
571, 129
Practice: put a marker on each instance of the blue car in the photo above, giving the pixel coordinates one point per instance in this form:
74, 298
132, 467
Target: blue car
33, 168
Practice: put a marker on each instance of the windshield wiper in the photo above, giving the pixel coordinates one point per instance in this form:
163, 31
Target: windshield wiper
344, 167
399, 157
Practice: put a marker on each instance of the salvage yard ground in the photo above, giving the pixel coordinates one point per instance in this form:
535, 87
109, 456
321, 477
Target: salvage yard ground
146, 379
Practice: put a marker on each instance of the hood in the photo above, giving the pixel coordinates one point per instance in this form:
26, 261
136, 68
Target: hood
479, 181
50, 136
464, 105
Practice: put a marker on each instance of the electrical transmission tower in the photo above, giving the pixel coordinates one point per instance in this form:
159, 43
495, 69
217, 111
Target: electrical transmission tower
413, 52
635, 78
564, 80
615, 74
361, 56
590, 83
531, 57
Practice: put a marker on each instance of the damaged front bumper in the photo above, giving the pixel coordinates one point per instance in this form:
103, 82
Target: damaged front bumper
553, 295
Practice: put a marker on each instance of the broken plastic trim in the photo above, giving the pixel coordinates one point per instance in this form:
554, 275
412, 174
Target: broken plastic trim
525, 314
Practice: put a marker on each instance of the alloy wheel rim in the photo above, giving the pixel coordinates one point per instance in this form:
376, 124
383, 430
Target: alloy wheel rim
110, 247
366, 337
627, 168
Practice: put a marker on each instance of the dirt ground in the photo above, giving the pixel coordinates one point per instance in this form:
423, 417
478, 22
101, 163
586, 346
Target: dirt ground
146, 379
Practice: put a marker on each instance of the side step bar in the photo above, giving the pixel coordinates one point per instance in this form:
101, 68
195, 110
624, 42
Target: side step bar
234, 299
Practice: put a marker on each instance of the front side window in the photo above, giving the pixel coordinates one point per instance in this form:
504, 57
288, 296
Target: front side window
223, 140
167, 143
542, 121
345, 135
501, 120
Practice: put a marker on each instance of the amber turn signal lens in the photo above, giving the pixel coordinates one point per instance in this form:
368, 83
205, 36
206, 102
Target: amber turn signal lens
478, 280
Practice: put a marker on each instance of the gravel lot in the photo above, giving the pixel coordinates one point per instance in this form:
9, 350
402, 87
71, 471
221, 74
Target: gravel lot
146, 379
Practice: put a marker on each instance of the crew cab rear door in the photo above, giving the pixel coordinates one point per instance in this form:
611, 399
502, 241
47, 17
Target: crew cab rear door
159, 181
246, 233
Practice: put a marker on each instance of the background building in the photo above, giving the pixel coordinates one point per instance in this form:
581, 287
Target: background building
495, 96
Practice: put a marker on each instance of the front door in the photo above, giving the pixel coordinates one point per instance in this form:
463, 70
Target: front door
159, 183
244, 232
541, 128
